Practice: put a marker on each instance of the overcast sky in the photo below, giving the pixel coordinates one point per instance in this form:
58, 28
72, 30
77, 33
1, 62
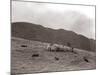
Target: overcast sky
80, 19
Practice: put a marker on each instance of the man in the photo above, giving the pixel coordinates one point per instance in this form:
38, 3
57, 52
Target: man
69, 45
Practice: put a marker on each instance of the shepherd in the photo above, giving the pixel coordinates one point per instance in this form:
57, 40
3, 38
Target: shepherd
71, 48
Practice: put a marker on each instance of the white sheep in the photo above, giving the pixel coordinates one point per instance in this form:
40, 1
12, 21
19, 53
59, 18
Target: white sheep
51, 47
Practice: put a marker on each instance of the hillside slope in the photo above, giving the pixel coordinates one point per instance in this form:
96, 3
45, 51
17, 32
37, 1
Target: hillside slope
23, 62
37, 32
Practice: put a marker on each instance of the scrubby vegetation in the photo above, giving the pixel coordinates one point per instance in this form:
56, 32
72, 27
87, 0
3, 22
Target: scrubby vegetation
38, 56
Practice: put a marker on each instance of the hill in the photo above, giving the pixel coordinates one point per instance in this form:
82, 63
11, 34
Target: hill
60, 36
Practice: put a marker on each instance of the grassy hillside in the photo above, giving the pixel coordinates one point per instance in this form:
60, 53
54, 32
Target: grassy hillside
23, 62
39, 33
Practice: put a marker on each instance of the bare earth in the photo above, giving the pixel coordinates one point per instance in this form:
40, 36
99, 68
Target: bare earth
22, 61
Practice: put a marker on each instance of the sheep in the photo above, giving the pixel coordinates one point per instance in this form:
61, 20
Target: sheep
85, 59
56, 58
23, 45
50, 47
35, 55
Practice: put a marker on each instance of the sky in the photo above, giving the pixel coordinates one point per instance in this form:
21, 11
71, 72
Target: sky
77, 18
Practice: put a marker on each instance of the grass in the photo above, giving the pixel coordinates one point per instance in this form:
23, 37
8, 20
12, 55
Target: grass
23, 62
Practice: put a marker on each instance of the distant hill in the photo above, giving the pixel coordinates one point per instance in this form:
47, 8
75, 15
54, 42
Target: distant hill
39, 33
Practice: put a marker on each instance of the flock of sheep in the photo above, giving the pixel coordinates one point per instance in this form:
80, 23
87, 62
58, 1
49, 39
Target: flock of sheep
59, 48
52, 47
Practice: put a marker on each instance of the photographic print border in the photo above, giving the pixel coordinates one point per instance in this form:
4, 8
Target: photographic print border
50, 3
